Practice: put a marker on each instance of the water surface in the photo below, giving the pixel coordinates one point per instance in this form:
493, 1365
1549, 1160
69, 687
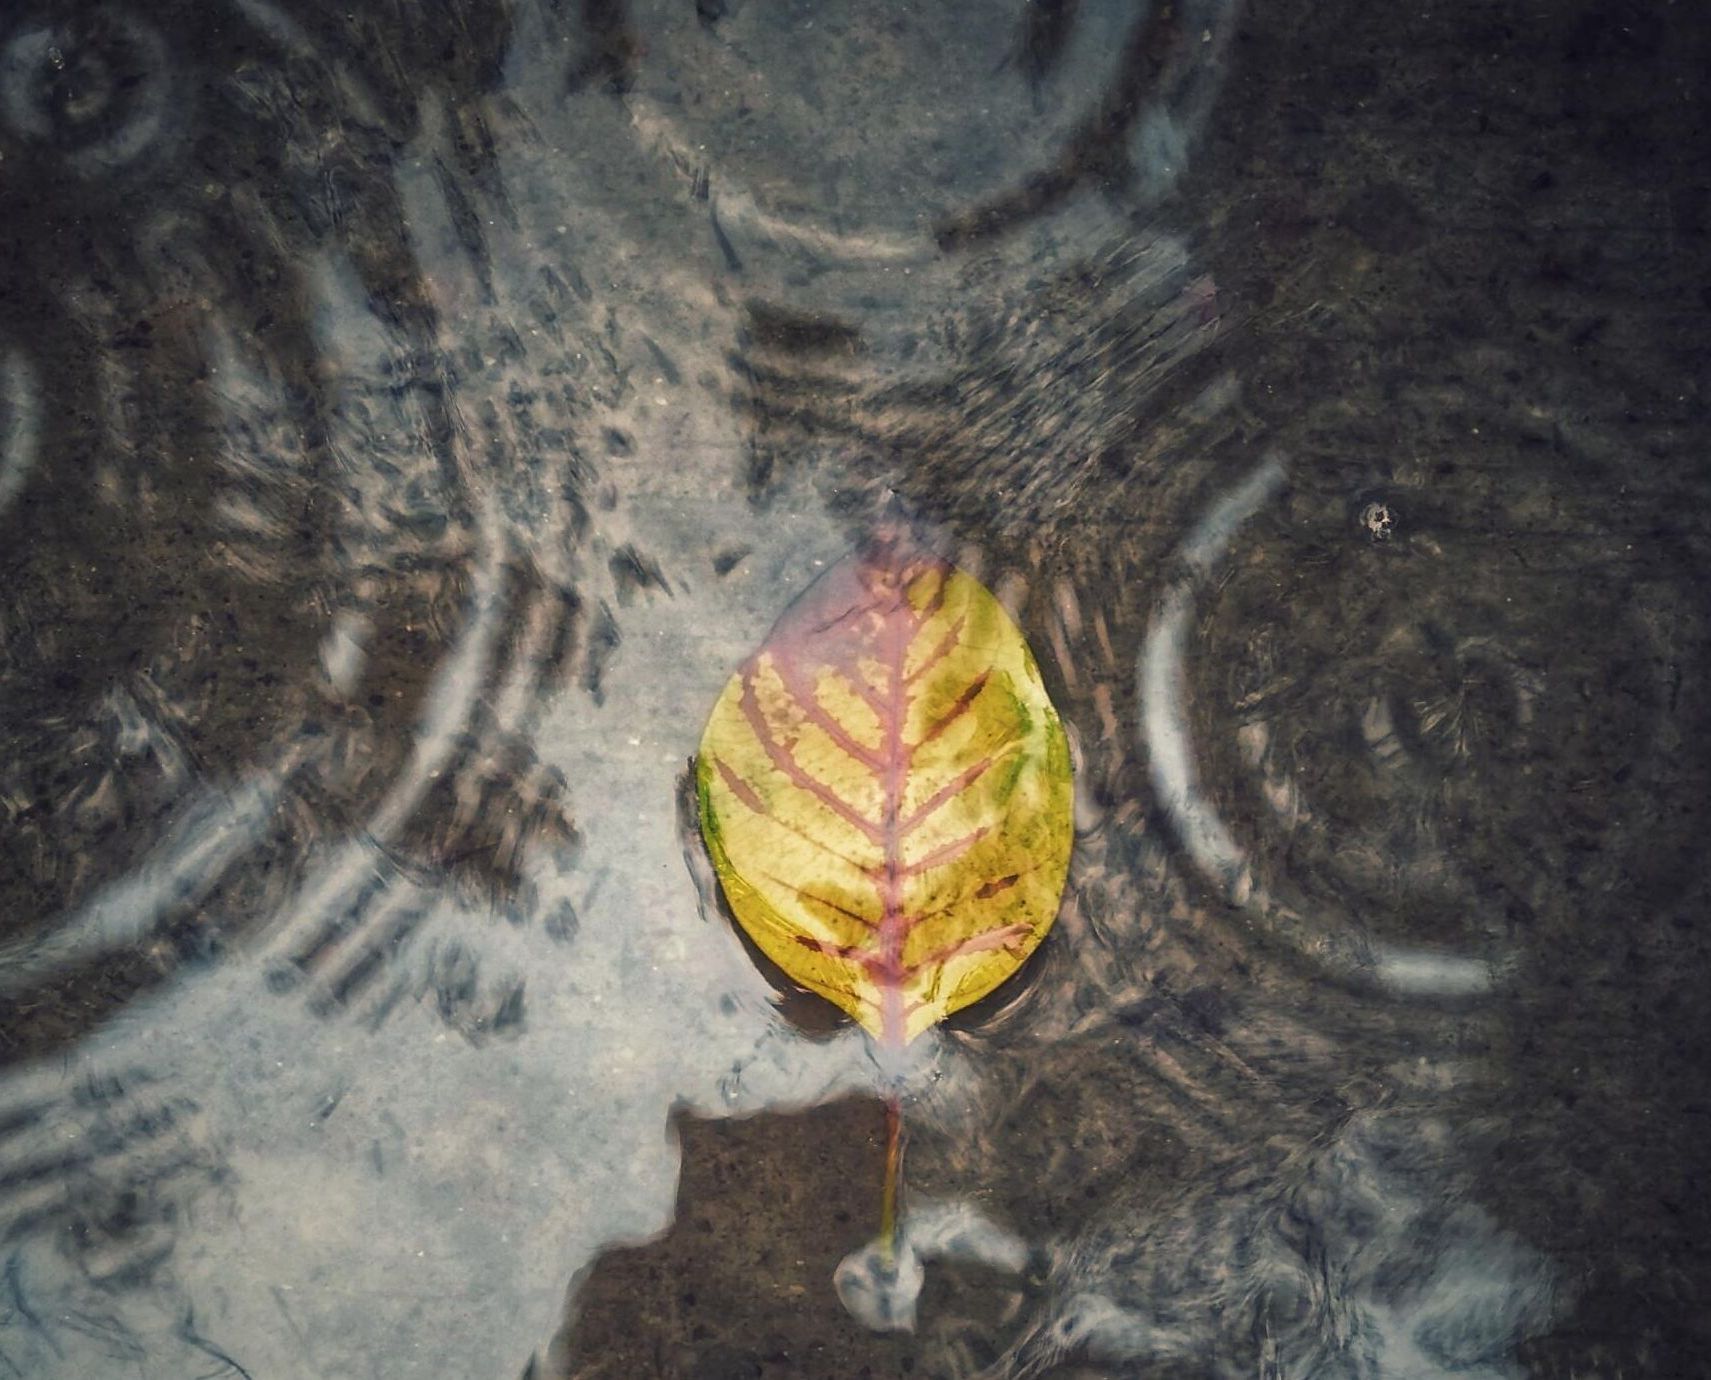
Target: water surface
410, 417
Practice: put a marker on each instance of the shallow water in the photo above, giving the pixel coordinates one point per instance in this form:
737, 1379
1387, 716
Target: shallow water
410, 417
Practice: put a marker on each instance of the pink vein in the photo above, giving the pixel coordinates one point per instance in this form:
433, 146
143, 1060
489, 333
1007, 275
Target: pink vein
866, 693
921, 616
949, 853
939, 652
746, 793
963, 703
785, 760
887, 965
809, 703
1003, 937
740, 788
952, 788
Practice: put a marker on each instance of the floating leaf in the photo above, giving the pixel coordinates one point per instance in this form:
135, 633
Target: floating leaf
885, 792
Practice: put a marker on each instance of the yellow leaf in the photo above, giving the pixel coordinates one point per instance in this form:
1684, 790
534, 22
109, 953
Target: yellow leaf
885, 792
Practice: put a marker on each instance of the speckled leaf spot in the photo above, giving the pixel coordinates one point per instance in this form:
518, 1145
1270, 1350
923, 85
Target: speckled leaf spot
885, 792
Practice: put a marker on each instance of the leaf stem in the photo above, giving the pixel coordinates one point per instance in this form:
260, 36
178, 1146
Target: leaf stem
889, 1223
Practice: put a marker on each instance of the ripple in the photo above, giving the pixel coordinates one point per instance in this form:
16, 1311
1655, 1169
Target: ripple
20, 423
1200, 826
996, 133
1356, 1260
96, 90
1366, 734
1164, 688
238, 451
994, 111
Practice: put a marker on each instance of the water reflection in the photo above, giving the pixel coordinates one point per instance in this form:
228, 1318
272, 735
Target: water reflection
408, 421
1356, 1260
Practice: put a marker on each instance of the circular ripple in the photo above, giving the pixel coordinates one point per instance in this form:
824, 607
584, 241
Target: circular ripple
248, 599
882, 136
1407, 726
94, 90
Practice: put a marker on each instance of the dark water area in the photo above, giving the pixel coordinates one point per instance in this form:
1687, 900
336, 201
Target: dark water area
410, 415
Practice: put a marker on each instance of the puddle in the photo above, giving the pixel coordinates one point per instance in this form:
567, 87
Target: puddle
407, 428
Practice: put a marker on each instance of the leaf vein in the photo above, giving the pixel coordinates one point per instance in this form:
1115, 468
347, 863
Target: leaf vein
944, 647
963, 703
746, 793
982, 941
948, 853
785, 760
808, 702
949, 791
